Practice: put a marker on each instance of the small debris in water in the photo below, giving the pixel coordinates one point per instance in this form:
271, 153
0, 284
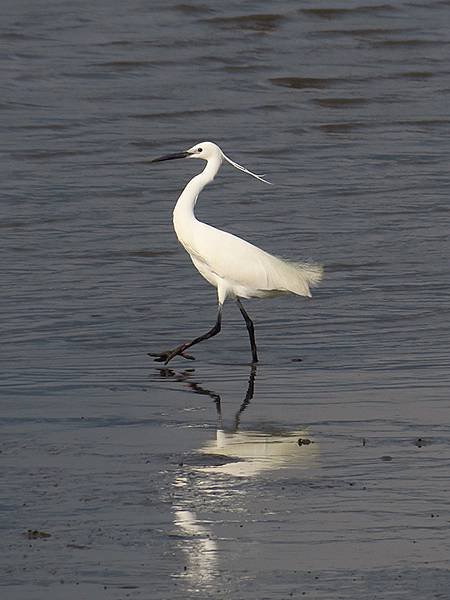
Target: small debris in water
386, 458
304, 441
34, 534
420, 442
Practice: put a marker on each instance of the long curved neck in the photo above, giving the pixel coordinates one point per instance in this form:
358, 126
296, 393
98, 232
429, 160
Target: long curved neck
186, 202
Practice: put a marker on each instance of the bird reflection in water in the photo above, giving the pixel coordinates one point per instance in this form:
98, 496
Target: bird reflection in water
219, 478
249, 452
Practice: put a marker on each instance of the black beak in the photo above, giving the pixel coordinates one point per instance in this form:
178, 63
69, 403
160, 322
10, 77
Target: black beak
171, 156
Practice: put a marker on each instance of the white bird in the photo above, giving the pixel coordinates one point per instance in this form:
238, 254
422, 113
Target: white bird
236, 268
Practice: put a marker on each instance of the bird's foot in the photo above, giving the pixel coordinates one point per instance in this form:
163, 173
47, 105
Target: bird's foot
165, 357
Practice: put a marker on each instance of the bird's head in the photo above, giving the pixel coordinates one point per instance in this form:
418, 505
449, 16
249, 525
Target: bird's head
207, 151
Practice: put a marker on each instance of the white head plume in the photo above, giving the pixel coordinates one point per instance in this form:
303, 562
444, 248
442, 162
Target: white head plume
241, 168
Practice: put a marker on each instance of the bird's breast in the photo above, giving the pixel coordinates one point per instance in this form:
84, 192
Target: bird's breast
185, 232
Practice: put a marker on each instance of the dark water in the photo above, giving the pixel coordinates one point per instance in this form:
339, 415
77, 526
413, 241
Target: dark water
190, 481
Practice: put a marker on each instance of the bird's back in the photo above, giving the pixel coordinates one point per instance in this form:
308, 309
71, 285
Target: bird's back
245, 270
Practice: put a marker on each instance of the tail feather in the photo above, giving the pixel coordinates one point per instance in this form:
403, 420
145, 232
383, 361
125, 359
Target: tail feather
295, 277
308, 275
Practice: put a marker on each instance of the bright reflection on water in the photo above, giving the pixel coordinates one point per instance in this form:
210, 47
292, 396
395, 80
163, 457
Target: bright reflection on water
253, 452
200, 548
218, 480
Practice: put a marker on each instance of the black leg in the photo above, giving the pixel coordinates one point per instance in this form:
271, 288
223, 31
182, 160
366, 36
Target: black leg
250, 329
180, 350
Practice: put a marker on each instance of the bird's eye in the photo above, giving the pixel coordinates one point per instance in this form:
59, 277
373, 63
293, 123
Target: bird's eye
199, 149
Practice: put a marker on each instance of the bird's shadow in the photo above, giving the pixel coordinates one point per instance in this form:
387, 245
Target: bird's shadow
185, 377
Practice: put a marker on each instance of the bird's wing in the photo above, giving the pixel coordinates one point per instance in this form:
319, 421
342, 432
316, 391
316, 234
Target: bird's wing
229, 257
245, 266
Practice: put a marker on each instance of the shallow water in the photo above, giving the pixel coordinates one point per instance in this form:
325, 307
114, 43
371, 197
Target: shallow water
190, 481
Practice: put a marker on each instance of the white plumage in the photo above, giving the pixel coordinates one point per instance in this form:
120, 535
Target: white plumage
235, 267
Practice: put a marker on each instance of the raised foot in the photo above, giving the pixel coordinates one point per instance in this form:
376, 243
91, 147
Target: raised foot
169, 354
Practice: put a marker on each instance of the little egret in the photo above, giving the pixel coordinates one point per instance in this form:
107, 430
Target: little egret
236, 268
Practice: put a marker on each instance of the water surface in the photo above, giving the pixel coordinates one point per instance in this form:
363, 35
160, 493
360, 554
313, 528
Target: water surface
190, 481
